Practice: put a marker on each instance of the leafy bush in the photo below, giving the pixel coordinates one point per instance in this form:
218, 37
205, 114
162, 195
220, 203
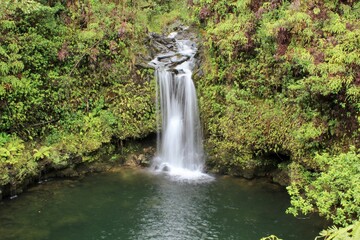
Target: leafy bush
334, 192
16, 162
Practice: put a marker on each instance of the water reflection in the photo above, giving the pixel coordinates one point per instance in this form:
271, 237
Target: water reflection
176, 211
227, 208
136, 205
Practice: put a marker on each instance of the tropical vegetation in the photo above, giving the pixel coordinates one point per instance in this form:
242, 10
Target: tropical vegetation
278, 86
72, 79
281, 88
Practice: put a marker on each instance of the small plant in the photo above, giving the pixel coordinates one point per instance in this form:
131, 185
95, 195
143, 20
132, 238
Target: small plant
271, 237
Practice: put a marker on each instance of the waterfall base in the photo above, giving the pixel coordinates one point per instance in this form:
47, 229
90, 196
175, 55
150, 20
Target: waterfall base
180, 174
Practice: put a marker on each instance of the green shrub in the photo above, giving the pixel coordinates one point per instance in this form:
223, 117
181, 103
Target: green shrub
334, 192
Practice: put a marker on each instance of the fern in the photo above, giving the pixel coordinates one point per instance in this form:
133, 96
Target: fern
350, 232
335, 25
2, 93
3, 52
17, 66
4, 68
7, 24
41, 153
4, 153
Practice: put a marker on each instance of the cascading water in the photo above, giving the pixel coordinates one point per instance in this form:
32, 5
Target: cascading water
180, 150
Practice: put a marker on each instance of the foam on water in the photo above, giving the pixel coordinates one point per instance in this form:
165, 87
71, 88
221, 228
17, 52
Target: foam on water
182, 174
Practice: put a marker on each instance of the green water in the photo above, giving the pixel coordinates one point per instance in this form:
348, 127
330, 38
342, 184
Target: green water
133, 204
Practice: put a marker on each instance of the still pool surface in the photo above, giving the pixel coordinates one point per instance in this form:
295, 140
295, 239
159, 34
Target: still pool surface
135, 204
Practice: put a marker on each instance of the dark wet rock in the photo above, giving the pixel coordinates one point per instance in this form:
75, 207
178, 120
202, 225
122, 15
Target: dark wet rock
248, 173
178, 60
164, 40
166, 56
281, 177
67, 172
177, 71
142, 61
161, 43
199, 73
165, 169
93, 167
142, 158
144, 65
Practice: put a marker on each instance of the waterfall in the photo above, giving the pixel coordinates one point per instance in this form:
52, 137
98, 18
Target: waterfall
179, 147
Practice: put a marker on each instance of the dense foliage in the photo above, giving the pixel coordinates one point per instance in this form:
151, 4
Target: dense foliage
71, 79
281, 88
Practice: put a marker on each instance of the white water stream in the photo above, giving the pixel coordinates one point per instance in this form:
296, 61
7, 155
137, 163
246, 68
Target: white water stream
180, 151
